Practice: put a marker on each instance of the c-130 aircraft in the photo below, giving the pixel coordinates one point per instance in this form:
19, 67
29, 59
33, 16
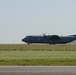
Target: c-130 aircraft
50, 39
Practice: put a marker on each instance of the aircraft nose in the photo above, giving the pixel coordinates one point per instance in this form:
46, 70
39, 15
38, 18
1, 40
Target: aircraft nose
23, 40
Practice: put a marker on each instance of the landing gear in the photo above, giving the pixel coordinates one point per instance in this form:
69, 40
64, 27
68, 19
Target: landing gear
28, 43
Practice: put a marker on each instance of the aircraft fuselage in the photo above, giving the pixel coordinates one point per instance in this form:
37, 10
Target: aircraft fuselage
51, 39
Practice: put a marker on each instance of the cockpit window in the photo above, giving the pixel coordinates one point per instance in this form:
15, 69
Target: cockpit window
26, 37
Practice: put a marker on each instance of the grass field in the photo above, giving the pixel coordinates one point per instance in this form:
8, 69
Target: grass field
38, 47
37, 54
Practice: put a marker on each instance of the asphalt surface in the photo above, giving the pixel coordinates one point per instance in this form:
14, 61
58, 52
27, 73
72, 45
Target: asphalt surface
37, 70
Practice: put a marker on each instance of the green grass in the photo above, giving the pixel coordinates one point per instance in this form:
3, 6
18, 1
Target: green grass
31, 57
36, 54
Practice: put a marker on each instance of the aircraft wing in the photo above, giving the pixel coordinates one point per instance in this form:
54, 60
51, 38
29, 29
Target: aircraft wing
55, 37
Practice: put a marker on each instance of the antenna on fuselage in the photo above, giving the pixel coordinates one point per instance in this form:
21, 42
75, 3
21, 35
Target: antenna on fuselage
44, 35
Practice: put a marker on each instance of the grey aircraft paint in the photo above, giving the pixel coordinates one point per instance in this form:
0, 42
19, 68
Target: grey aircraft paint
51, 39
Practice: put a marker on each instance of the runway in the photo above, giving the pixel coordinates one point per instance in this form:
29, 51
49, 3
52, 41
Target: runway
37, 70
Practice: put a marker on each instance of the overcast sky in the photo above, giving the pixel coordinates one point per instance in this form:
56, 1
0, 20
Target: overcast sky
19, 18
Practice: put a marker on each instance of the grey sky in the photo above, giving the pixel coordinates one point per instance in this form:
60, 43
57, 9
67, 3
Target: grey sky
19, 18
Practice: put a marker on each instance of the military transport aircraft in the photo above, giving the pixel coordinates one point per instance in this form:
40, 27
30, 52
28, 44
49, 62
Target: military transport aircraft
51, 39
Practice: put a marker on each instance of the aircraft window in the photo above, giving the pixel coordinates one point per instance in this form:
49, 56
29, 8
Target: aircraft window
26, 37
